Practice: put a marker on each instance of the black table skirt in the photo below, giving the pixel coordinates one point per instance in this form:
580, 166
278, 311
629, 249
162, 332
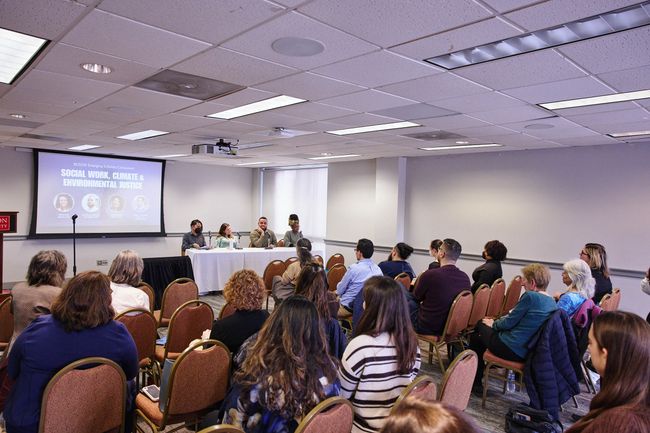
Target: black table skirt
160, 271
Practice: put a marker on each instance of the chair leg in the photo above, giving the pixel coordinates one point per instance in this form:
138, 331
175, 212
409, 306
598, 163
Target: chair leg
430, 353
486, 376
575, 402
442, 365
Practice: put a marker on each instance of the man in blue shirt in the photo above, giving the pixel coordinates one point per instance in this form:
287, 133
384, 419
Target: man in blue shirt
352, 283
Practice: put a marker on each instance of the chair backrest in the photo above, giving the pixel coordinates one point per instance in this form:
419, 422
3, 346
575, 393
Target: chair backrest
222, 428
333, 304
198, 379
457, 382
512, 295
227, 310
188, 323
610, 302
458, 317
150, 293
6, 320
176, 294
423, 388
335, 275
142, 326
318, 258
290, 260
85, 401
333, 415
616, 297
404, 279
497, 293
479, 305
276, 267
335, 259
281, 243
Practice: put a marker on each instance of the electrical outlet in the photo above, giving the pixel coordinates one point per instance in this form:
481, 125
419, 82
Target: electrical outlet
102, 262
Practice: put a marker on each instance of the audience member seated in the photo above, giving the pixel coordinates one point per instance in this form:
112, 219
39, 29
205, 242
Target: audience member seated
350, 286
645, 288
244, 291
383, 358
32, 298
619, 344
431, 300
433, 252
286, 373
419, 416
396, 263
194, 238
285, 285
225, 238
580, 288
81, 325
596, 257
291, 237
494, 253
312, 284
262, 236
125, 274
508, 336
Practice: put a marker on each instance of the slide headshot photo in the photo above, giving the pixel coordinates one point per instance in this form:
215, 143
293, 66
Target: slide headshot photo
140, 203
63, 202
116, 204
91, 202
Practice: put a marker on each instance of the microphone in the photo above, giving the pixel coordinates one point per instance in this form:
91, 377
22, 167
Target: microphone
74, 217
238, 235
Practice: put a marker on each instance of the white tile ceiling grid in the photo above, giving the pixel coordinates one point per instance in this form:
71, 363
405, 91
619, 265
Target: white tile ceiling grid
370, 71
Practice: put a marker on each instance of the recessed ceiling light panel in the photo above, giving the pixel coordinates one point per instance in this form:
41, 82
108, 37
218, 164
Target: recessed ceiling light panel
176, 155
96, 68
253, 163
629, 134
142, 135
17, 51
467, 146
257, 107
83, 147
316, 158
18, 116
597, 100
373, 128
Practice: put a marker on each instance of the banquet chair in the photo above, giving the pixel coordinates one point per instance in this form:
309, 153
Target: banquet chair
512, 295
479, 306
222, 428
143, 328
6, 323
457, 382
276, 267
187, 323
226, 310
335, 275
145, 287
415, 282
610, 302
456, 322
497, 294
198, 381
176, 294
290, 260
333, 415
404, 279
318, 258
88, 400
423, 388
281, 243
491, 360
335, 259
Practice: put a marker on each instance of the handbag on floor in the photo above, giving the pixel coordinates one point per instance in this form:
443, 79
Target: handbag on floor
525, 419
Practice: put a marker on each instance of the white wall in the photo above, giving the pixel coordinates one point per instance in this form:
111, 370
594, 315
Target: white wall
212, 194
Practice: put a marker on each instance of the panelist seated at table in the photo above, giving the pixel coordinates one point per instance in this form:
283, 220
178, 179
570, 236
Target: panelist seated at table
262, 237
194, 238
225, 239
291, 237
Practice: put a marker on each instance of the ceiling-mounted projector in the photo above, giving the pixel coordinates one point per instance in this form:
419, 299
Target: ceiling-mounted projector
221, 147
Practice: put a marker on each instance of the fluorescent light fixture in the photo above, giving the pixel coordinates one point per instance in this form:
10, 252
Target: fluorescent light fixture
597, 100
466, 146
84, 147
373, 128
17, 50
629, 134
253, 163
598, 25
256, 107
96, 68
316, 158
142, 134
18, 116
175, 155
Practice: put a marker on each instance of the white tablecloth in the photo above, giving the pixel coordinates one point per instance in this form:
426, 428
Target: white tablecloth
212, 268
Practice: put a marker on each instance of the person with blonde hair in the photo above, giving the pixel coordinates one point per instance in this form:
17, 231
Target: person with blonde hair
125, 274
419, 416
244, 291
596, 257
580, 288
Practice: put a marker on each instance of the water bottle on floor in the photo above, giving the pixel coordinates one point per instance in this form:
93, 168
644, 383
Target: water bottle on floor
511, 386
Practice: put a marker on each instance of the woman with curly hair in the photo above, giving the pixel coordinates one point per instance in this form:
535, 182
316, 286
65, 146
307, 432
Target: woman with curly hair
286, 373
245, 292
619, 344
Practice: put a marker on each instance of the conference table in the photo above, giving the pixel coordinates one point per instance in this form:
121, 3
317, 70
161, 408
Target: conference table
213, 267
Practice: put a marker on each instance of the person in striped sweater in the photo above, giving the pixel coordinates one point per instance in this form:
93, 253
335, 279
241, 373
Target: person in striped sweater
383, 358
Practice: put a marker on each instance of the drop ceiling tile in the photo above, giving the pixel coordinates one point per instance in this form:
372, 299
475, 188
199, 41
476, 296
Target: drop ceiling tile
5, 113
338, 45
203, 109
139, 103
484, 131
560, 90
612, 128
245, 96
309, 86
389, 22
593, 109
64, 129
479, 102
628, 80
48, 20
483, 32
230, 66
66, 59
448, 122
271, 119
121, 37
200, 19
363, 119
414, 112
367, 100
321, 126
554, 12
523, 70
508, 115
24, 106
172, 123
377, 69
595, 140
226, 129
612, 117
314, 111
508, 5
434, 88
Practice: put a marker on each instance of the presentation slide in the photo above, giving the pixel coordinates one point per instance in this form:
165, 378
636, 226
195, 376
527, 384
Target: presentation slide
110, 196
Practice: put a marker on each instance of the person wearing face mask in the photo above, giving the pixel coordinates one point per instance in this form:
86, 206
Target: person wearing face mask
194, 238
494, 253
